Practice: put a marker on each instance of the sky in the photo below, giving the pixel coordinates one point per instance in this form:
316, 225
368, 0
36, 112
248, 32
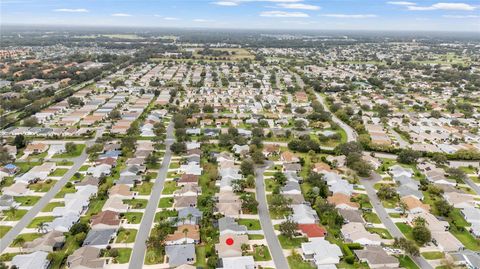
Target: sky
421, 15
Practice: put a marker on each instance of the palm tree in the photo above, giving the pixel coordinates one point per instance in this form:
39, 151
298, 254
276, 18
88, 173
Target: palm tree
19, 241
41, 227
189, 216
13, 211
185, 232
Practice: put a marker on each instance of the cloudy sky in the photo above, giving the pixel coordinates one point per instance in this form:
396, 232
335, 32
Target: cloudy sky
450, 15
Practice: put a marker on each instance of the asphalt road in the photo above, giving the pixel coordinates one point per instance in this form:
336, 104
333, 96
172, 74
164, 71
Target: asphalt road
351, 134
27, 218
139, 248
267, 226
385, 218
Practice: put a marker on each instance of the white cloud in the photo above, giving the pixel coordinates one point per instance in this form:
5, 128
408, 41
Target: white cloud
350, 16
299, 6
283, 14
71, 10
401, 3
461, 16
202, 20
171, 19
444, 6
226, 3
121, 15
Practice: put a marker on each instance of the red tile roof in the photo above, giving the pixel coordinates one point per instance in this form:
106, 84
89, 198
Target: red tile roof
312, 230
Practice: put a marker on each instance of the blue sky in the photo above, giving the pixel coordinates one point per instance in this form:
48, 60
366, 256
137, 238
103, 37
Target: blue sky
447, 15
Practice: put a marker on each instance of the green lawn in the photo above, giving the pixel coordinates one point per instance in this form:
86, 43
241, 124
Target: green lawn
153, 257
433, 255
163, 215
255, 237
126, 236
78, 150
407, 262
65, 190
59, 172
14, 215
380, 231
165, 202
84, 168
34, 223
261, 253
133, 217
27, 237
201, 256
65, 163
169, 187
466, 238
395, 215
123, 255
50, 206
252, 224
42, 186
296, 262
4, 230
291, 243
27, 200
144, 189
371, 217
405, 229
136, 203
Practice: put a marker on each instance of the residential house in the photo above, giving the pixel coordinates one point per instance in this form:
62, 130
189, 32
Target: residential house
356, 233
321, 253
37, 260
304, 214
49, 242
85, 258
230, 245
177, 255
376, 257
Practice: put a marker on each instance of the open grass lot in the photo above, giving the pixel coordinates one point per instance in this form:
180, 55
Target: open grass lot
165, 202
27, 200
126, 236
42, 186
291, 243
133, 217
136, 203
261, 253
144, 189
36, 221
251, 224
407, 262
4, 230
59, 172
50, 206
27, 237
78, 150
433, 255
14, 215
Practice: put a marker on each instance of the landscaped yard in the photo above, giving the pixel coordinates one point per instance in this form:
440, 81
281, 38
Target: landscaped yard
43, 219
169, 187
406, 262
252, 224
27, 200
123, 255
153, 257
165, 214
136, 203
66, 189
42, 186
261, 253
405, 229
371, 217
296, 262
78, 150
26, 237
201, 256
126, 236
50, 206
291, 243
255, 237
13, 215
380, 231
4, 230
144, 189
433, 255
133, 217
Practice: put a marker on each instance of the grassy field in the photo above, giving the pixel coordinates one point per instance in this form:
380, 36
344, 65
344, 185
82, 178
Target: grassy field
261, 253
27, 200
406, 262
380, 231
59, 172
36, 221
251, 224
27, 237
50, 206
136, 203
165, 202
4, 230
291, 243
133, 217
126, 236
296, 262
169, 187
433, 255
14, 215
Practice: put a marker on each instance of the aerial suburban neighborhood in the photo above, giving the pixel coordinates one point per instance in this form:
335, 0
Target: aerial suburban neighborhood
187, 149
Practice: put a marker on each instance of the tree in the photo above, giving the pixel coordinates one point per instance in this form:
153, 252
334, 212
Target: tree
443, 207
178, 147
439, 158
70, 147
115, 114
151, 159
407, 245
247, 167
280, 204
19, 141
41, 227
408, 156
30, 122
348, 148
288, 228
75, 101
456, 173
249, 203
5, 157
280, 178
19, 241
386, 192
421, 234
258, 157
79, 227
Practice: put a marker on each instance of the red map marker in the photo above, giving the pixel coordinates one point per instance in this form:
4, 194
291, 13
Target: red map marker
229, 241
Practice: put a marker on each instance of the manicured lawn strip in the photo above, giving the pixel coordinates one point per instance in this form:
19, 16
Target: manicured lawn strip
123, 255
153, 257
165, 214
380, 231
201, 256
291, 243
34, 223
407, 262
371, 217
261, 253
27, 200
255, 237
66, 189
405, 229
126, 236
84, 168
59, 172
136, 203
433, 255
296, 262
50, 206
4, 230
252, 224
466, 238
65, 163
